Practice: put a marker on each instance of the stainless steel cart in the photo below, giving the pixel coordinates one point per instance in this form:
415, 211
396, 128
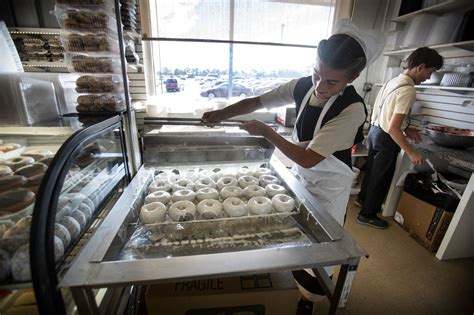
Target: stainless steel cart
314, 239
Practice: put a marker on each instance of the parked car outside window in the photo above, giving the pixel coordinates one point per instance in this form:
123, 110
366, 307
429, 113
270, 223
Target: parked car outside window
172, 85
222, 91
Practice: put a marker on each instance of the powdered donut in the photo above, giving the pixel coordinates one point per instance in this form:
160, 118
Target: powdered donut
267, 179
205, 173
72, 226
80, 218
244, 170
209, 209
253, 191
207, 193
182, 211
274, 189
5, 171
262, 171
226, 181
5, 265
21, 264
159, 185
204, 182
58, 248
247, 180
234, 207
283, 203
260, 205
161, 196
183, 194
216, 173
182, 184
231, 191
89, 202
63, 234
17, 162
152, 213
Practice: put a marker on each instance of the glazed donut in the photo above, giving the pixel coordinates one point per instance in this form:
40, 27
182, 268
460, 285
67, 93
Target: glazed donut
192, 175
21, 270
234, 207
5, 171
58, 248
209, 209
89, 202
84, 208
231, 191
244, 170
31, 170
204, 182
262, 171
11, 182
80, 218
260, 205
159, 185
152, 212
169, 177
216, 173
14, 200
226, 181
63, 234
5, 265
182, 184
182, 211
267, 179
254, 191
183, 194
72, 226
18, 162
247, 180
207, 193
161, 196
274, 189
283, 203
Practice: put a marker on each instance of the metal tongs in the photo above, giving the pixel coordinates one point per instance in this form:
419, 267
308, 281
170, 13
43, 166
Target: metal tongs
438, 177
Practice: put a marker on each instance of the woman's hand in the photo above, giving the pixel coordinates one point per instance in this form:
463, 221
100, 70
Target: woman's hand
256, 128
413, 134
415, 157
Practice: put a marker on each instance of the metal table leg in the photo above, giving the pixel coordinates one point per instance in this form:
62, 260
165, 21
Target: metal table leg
85, 300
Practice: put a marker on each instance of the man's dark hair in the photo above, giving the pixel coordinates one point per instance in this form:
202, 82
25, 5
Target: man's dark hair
342, 52
424, 55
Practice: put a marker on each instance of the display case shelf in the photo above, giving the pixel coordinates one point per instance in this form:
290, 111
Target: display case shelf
438, 87
445, 7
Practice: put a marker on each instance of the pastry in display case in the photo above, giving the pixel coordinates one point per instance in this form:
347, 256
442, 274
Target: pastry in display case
92, 172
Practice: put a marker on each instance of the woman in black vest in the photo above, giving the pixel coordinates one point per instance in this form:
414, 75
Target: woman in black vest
329, 122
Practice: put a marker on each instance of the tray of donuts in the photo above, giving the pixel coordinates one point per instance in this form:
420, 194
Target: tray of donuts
86, 18
218, 193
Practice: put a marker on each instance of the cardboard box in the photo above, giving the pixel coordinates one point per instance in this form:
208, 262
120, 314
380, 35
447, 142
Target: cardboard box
263, 294
286, 115
425, 222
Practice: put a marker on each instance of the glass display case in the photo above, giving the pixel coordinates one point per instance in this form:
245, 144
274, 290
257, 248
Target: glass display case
57, 180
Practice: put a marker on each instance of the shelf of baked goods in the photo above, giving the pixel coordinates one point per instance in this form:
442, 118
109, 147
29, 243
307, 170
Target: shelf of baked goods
458, 49
444, 7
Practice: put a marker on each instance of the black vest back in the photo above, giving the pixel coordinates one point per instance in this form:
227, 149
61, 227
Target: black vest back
306, 124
